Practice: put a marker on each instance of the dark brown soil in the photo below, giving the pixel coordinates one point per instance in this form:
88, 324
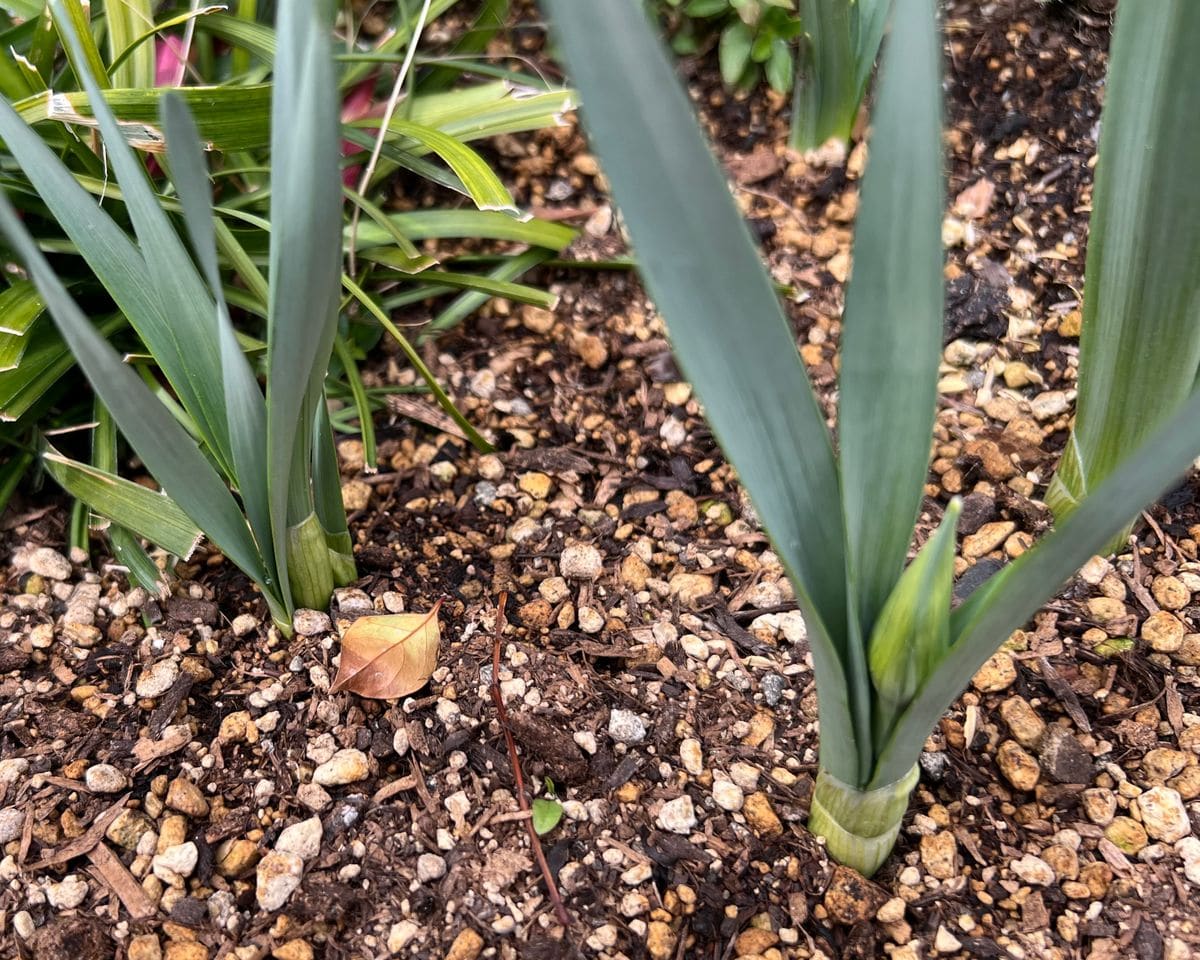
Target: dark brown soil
665, 659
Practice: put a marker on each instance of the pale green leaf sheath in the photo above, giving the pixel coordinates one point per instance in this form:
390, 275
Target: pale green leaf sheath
1140, 347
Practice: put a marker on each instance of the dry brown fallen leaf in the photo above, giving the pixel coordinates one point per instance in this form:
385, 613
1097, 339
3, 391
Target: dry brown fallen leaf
388, 657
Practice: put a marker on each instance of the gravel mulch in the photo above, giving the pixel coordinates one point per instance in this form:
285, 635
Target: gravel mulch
177, 781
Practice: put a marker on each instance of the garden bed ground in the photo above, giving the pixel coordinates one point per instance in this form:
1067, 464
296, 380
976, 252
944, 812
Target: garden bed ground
655, 668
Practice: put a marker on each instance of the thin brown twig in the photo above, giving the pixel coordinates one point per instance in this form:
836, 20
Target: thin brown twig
560, 909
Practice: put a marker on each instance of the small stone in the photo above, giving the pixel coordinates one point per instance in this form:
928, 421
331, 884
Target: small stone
156, 679
1033, 870
1163, 631
586, 741
1048, 405
554, 590
12, 824
892, 911
638, 874
144, 947
1188, 850
175, 863
243, 624
625, 726
12, 769
1023, 722
592, 351
537, 319
987, 538
1019, 768
311, 623
660, 940
238, 727
68, 893
186, 797
186, 950
690, 587
1171, 593
466, 946
313, 796
1063, 757
1162, 763
356, 495
537, 485
401, 935
236, 858
105, 778
762, 726
591, 620
944, 941
1163, 814
745, 775
430, 867
773, 686
50, 564
580, 561
1127, 834
278, 876
999, 673
939, 854
23, 924
850, 898
537, 613
634, 572
1099, 805
692, 756
1063, 860
127, 829
728, 795
754, 941
296, 949
345, 766
761, 816
678, 815
303, 838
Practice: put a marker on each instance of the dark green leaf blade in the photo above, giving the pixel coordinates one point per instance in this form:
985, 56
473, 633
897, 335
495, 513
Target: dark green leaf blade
892, 323
1140, 347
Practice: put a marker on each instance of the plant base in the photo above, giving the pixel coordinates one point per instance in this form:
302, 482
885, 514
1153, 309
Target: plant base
859, 826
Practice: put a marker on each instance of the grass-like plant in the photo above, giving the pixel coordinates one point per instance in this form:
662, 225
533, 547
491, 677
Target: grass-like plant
1139, 354
258, 475
890, 651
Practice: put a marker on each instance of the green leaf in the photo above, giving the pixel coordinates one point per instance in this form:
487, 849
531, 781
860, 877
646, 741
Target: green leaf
230, 118
1140, 348
706, 8
870, 22
1010, 597
305, 264
733, 52
152, 515
20, 306
366, 424
546, 815
471, 281
780, 67
481, 183
72, 20
245, 411
137, 47
166, 450
127, 19
892, 322
826, 101
730, 335
912, 632
466, 304
442, 224
45, 361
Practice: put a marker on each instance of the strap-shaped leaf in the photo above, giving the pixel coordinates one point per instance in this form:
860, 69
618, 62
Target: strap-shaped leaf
245, 410
166, 450
892, 324
1140, 348
825, 102
305, 268
913, 630
729, 333
20, 306
127, 19
441, 224
1011, 596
